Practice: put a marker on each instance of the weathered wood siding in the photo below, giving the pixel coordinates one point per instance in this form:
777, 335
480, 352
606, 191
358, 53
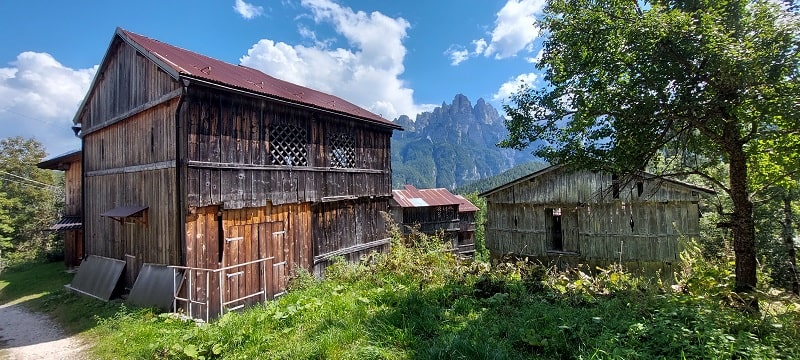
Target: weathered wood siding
230, 159
132, 162
127, 83
217, 238
430, 219
73, 201
586, 187
349, 229
73, 206
466, 234
597, 222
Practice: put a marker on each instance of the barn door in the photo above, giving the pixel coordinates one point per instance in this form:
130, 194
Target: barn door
570, 230
276, 247
245, 277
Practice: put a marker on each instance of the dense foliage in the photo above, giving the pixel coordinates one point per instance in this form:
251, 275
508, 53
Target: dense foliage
422, 302
701, 83
30, 200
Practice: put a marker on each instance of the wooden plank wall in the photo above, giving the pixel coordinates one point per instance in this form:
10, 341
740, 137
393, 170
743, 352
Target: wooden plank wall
595, 225
127, 81
133, 163
207, 228
73, 248
229, 154
587, 187
603, 229
348, 225
73, 202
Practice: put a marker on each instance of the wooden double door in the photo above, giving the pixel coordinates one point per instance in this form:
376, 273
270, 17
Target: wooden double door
254, 262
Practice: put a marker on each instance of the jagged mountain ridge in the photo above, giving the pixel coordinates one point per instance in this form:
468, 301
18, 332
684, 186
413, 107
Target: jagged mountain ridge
452, 145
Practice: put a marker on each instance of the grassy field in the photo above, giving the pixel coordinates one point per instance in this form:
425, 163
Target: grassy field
40, 287
422, 303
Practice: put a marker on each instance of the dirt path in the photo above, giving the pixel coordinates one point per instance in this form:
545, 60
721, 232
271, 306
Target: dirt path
28, 335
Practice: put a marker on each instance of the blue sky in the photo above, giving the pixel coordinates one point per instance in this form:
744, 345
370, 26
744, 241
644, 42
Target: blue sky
392, 57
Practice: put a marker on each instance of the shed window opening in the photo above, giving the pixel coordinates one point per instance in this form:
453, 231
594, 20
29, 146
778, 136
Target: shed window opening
288, 145
555, 233
615, 186
343, 151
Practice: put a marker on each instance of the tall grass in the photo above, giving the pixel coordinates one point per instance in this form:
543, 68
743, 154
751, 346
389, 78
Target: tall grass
419, 301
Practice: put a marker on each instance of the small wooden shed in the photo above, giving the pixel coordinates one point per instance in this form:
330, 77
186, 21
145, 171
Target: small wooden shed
436, 211
592, 217
71, 222
224, 172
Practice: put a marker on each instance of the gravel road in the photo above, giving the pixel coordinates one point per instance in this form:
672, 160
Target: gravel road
28, 335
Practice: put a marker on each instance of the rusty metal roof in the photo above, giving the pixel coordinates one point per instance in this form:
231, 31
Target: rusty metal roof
465, 205
410, 196
192, 65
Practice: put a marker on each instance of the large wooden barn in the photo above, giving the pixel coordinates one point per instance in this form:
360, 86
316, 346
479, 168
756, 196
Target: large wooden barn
592, 217
231, 174
70, 225
436, 212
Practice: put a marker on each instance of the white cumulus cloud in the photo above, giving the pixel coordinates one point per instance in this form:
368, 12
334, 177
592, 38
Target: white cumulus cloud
247, 10
39, 97
513, 32
514, 85
366, 72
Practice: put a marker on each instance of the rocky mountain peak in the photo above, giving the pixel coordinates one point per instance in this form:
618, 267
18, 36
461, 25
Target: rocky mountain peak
451, 145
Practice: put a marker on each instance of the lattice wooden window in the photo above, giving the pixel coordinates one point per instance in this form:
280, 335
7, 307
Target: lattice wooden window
288, 145
343, 150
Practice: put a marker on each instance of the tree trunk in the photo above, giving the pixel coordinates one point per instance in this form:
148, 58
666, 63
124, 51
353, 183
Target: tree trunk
744, 245
788, 238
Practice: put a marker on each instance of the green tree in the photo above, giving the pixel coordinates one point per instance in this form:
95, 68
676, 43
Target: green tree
29, 202
701, 81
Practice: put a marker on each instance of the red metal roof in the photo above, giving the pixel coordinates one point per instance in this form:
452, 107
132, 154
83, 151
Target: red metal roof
413, 197
193, 65
465, 205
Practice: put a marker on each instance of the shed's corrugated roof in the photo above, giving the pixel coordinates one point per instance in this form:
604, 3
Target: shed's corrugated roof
68, 222
410, 196
189, 64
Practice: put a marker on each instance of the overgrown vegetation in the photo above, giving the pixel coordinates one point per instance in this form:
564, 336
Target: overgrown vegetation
30, 201
419, 301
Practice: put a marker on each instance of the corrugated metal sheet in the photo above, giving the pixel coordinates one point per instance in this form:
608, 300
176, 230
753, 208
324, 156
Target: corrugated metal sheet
413, 197
156, 286
97, 277
194, 65
68, 222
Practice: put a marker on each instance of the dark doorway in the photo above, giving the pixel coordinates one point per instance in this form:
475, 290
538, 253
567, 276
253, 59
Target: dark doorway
555, 232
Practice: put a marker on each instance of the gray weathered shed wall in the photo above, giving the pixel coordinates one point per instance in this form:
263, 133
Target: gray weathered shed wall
595, 224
